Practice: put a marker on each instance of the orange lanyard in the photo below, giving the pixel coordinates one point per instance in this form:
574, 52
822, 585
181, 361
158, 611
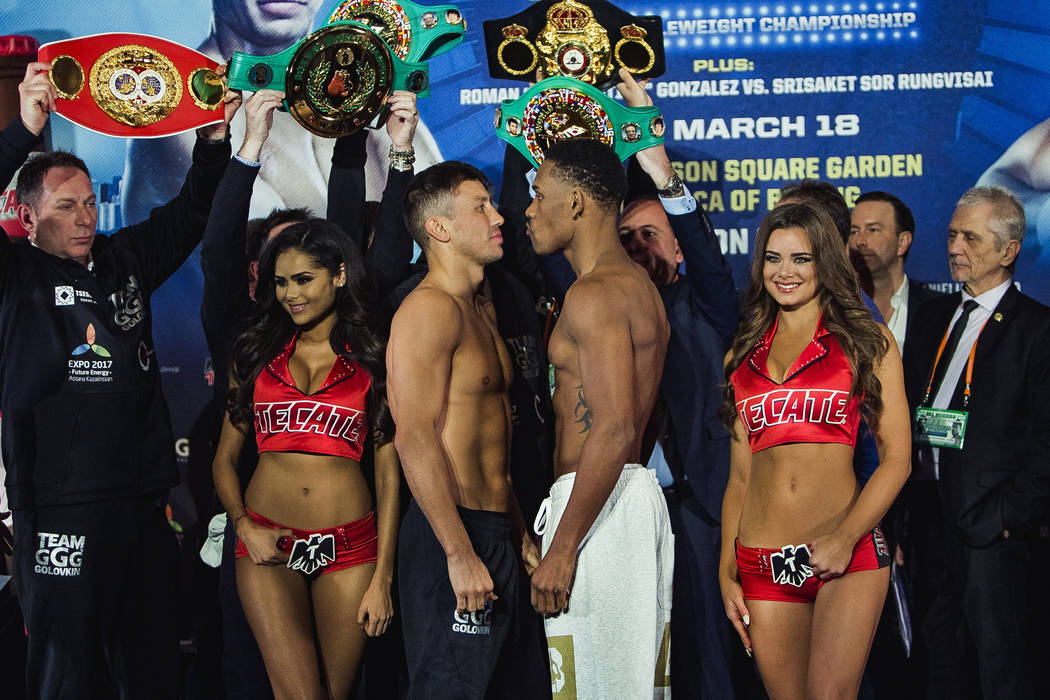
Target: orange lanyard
969, 366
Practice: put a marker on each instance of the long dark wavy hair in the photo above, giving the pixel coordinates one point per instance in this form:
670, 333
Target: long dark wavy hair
356, 334
843, 312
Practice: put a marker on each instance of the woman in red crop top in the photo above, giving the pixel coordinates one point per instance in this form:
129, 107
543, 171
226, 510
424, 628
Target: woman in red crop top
313, 570
803, 562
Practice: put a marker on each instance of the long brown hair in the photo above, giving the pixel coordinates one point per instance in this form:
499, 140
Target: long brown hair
843, 312
356, 335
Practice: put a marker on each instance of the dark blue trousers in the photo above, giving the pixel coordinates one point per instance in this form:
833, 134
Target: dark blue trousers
700, 631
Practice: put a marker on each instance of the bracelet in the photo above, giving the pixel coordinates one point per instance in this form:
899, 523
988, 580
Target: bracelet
236, 518
402, 161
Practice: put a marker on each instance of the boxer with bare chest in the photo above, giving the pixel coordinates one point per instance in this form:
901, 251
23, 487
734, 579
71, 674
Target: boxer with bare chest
447, 385
604, 582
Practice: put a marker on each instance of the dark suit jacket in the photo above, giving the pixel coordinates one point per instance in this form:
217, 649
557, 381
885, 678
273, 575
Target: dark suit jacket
1000, 480
918, 294
702, 312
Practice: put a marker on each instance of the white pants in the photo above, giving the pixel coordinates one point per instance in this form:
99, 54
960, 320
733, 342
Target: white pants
614, 639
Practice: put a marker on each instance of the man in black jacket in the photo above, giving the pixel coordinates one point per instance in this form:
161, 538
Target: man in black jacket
659, 232
87, 441
881, 233
981, 358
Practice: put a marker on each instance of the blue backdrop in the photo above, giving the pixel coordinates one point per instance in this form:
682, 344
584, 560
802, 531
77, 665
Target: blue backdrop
918, 98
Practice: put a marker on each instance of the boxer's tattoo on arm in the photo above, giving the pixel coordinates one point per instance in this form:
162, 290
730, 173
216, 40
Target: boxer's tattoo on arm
582, 411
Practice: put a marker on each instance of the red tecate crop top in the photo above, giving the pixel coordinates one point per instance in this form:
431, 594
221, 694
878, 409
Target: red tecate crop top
812, 405
330, 421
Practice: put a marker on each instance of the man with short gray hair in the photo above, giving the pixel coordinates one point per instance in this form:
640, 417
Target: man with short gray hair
978, 376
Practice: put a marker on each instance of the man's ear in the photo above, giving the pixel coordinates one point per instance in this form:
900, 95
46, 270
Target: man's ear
437, 230
904, 239
1010, 252
27, 218
577, 203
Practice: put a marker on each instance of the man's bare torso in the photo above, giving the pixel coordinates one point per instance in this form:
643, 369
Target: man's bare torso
626, 292
475, 426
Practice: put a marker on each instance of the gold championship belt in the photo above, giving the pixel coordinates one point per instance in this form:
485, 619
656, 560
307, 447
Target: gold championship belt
335, 81
413, 32
555, 109
583, 39
132, 85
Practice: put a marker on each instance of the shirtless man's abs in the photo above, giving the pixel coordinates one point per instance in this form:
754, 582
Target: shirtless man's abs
447, 384
605, 577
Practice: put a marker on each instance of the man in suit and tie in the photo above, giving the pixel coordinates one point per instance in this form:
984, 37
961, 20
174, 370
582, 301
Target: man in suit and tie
661, 226
982, 358
881, 232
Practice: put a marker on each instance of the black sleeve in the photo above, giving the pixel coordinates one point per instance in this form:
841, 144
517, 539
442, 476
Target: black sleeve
706, 271
164, 240
346, 186
639, 184
16, 142
390, 255
543, 275
1024, 498
225, 267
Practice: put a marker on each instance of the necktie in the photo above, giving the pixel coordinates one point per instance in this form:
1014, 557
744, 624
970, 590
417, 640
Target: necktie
949, 349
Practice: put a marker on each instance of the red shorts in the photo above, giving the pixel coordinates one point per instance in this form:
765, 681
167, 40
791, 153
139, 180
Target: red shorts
784, 575
356, 543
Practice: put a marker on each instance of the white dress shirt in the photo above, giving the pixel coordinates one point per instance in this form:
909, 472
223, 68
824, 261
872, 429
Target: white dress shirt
898, 320
986, 304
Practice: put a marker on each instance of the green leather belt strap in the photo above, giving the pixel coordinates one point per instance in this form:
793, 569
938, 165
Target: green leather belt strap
248, 72
413, 32
565, 108
335, 81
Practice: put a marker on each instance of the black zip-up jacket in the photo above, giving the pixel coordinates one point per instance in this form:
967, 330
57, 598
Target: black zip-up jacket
83, 414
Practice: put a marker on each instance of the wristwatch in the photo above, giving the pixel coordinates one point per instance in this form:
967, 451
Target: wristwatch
673, 188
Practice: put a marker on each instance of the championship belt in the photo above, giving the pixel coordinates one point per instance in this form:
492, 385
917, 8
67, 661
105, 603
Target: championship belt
566, 108
585, 39
335, 81
413, 32
132, 85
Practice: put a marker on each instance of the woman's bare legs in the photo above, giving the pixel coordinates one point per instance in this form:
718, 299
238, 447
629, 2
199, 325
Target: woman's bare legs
780, 638
845, 616
336, 599
277, 605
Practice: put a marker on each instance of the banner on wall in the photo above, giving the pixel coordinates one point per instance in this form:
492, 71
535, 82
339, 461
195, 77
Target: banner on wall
919, 98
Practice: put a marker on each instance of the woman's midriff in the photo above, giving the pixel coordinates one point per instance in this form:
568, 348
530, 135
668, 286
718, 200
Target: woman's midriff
797, 492
308, 491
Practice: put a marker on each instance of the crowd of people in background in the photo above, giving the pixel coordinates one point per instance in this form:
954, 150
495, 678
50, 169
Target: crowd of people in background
555, 456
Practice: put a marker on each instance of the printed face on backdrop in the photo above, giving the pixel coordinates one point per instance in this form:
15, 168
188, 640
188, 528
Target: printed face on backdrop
267, 22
